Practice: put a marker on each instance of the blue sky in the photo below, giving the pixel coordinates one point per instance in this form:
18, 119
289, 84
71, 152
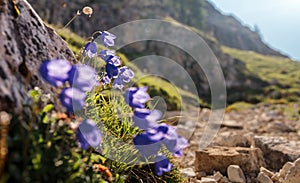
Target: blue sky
278, 21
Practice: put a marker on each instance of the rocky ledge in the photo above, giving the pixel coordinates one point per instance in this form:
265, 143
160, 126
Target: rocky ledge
259, 144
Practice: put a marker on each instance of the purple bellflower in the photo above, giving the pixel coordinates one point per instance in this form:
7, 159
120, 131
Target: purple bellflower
56, 72
171, 139
83, 78
181, 144
125, 74
145, 118
162, 164
107, 38
90, 49
88, 134
72, 98
107, 54
111, 70
149, 142
115, 60
136, 97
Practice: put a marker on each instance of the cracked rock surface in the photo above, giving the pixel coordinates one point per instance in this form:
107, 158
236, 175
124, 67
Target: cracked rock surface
25, 42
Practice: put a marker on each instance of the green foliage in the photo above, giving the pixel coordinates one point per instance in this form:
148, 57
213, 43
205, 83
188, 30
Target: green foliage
43, 148
171, 94
43, 145
114, 118
75, 42
281, 75
238, 106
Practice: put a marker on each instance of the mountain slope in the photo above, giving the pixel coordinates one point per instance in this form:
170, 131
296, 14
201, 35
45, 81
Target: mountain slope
230, 32
281, 74
242, 82
196, 13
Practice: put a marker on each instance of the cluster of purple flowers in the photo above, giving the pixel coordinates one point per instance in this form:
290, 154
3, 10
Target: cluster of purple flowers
155, 135
74, 81
113, 69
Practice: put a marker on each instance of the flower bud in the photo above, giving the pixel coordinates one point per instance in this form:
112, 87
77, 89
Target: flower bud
87, 11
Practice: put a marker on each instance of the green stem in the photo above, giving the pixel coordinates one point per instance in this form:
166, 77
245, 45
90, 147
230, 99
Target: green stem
72, 19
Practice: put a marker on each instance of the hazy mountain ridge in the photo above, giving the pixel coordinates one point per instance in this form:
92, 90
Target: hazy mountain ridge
230, 32
200, 14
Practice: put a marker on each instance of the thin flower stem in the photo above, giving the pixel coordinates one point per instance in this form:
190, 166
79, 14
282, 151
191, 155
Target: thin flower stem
72, 19
95, 34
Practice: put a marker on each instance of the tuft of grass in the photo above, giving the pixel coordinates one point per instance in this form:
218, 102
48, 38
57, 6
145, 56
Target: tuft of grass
238, 106
173, 95
114, 118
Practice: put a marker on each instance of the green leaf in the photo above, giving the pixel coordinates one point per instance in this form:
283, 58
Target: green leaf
48, 108
36, 161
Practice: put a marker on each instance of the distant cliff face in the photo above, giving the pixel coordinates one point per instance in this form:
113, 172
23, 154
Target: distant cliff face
110, 13
197, 13
230, 32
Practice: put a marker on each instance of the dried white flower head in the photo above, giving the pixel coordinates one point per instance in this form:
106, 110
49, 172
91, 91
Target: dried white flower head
87, 11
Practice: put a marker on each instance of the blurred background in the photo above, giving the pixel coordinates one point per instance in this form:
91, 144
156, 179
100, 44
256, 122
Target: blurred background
276, 21
254, 41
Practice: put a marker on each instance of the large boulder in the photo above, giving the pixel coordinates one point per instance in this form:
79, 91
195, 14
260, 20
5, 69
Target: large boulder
218, 158
25, 42
277, 150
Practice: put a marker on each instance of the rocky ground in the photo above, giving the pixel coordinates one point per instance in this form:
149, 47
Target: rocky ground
258, 144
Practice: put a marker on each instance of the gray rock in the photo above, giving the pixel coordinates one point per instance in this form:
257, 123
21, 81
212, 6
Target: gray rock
278, 127
285, 169
188, 172
266, 172
208, 180
232, 124
199, 175
277, 151
218, 176
293, 175
263, 178
25, 42
233, 139
235, 174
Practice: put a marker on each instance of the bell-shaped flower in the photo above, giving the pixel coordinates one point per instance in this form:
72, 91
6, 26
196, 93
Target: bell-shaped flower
111, 70
146, 144
107, 38
56, 72
73, 99
149, 142
90, 49
171, 139
136, 97
180, 145
88, 134
107, 54
115, 60
83, 77
145, 118
162, 165
125, 74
